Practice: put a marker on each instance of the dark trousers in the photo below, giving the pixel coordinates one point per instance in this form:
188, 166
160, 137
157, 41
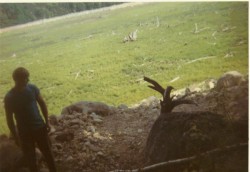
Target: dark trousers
28, 141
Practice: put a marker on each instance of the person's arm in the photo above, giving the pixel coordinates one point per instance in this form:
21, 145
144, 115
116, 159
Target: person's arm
11, 124
44, 110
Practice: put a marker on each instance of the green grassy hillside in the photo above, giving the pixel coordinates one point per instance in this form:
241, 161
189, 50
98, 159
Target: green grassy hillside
110, 70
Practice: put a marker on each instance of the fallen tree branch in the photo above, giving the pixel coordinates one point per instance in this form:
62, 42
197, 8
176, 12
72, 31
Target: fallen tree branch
69, 92
196, 28
199, 30
77, 74
199, 59
87, 37
213, 35
185, 160
157, 22
175, 79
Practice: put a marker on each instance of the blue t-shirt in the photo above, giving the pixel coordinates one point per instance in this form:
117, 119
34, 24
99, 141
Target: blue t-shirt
24, 105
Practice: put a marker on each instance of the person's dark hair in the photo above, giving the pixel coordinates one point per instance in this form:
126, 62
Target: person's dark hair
20, 73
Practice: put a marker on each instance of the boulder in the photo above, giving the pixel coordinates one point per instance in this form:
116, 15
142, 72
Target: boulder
123, 106
53, 120
231, 95
11, 156
87, 107
184, 134
229, 79
64, 136
179, 134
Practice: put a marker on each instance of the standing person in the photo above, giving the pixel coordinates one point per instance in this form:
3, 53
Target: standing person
22, 101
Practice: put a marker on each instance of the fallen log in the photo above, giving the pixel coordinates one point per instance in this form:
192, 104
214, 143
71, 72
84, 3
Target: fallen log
165, 165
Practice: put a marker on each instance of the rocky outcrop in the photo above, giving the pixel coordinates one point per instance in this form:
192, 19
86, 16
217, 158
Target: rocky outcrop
231, 96
230, 79
87, 107
178, 134
182, 134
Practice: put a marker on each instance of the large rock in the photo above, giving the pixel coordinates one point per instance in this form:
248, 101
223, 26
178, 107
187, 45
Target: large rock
11, 156
229, 79
64, 136
183, 134
87, 107
180, 134
231, 96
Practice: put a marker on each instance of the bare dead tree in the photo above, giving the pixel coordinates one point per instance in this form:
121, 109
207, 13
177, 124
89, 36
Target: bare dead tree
168, 103
132, 36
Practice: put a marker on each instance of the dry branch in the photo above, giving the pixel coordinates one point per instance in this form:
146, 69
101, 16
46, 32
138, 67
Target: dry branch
132, 36
185, 160
199, 59
199, 30
175, 79
196, 28
213, 35
189, 93
157, 22
49, 88
155, 86
69, 92
87, 37
77, 74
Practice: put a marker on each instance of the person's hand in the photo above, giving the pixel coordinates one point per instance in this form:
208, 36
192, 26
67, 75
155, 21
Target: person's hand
48, 127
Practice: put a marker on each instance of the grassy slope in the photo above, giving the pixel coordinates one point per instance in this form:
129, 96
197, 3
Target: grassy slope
55, 51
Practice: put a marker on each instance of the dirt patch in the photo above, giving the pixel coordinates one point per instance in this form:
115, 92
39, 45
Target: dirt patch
124, 133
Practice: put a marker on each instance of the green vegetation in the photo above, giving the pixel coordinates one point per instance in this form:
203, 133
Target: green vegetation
12, 13
110, 70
